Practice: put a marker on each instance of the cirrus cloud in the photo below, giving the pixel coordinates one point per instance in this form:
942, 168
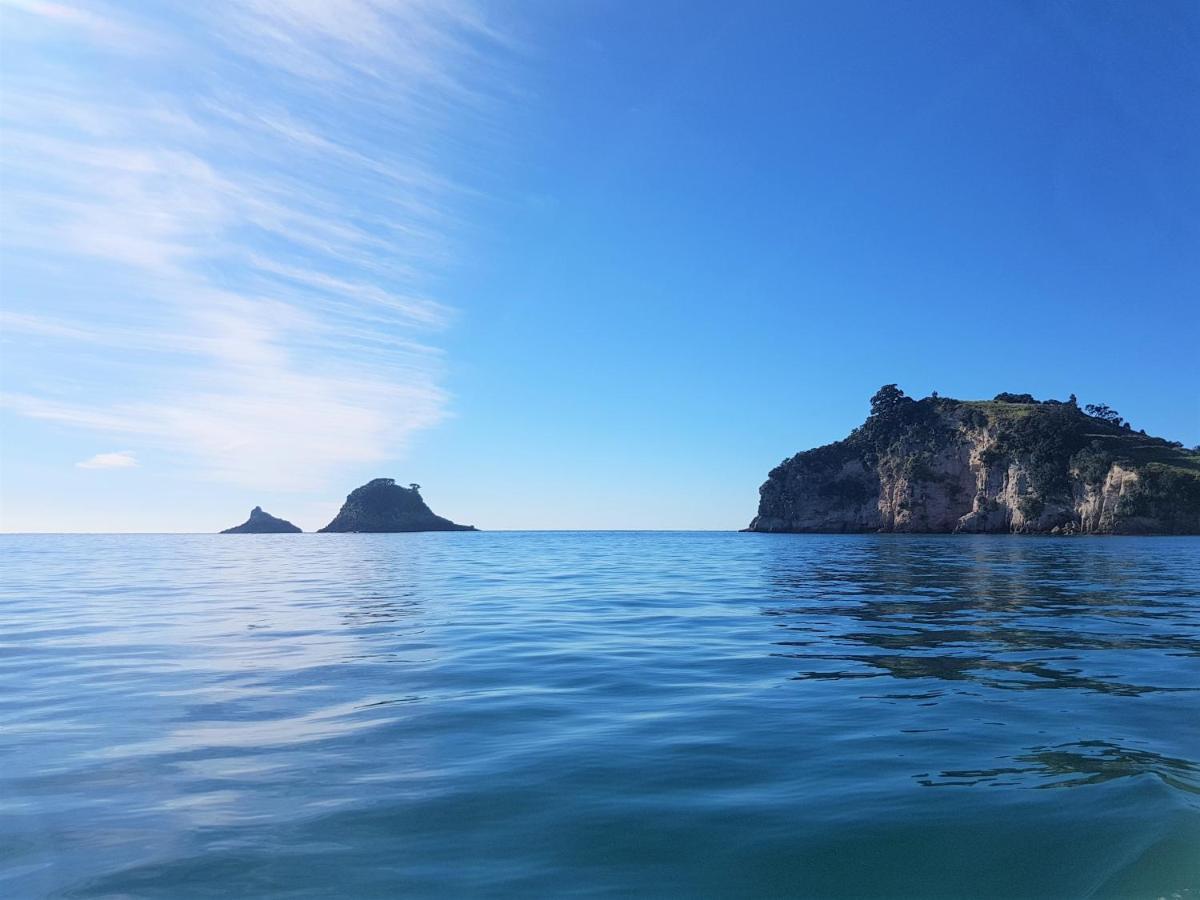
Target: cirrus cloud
225, 238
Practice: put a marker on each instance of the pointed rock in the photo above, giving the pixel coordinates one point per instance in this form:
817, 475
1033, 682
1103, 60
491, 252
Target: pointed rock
382, 505
263, 523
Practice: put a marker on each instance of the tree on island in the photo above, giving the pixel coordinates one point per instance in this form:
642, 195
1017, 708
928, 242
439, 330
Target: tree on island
413, 486
1102, 411
888, 400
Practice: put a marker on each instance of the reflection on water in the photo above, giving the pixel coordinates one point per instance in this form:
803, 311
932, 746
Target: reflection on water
1026, 615
614, 714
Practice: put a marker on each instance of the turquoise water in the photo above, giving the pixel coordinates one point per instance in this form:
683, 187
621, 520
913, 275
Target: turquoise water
599, 714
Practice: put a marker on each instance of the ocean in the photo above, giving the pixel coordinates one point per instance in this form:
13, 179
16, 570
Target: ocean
600, 714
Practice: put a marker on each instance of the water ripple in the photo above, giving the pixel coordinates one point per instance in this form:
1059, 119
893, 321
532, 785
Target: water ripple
600, 714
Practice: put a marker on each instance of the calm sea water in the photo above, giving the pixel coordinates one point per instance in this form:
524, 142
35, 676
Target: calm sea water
607, 714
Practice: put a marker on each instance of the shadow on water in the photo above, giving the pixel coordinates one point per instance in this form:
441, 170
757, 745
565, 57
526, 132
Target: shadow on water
1076, 765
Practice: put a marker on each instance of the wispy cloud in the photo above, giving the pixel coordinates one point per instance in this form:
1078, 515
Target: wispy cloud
97, 24
121, 459
244, 229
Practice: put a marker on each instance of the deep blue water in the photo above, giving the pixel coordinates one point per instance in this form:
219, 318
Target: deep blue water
601, 714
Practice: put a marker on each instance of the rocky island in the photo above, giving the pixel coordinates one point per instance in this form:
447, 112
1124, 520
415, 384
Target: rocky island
1012, 464
381, 505
263, 523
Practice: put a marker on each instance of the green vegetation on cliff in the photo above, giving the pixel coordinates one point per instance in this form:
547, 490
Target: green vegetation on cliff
1010, 463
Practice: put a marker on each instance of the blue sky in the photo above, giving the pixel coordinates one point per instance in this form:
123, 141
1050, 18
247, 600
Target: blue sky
568, 265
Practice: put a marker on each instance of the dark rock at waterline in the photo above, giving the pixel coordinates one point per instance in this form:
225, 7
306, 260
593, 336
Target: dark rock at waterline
382, 506
263, 523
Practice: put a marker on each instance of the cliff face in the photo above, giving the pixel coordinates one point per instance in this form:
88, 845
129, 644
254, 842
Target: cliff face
384, 506
941, 465
263, 523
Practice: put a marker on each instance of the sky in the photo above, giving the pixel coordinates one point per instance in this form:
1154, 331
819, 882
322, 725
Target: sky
568, 265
